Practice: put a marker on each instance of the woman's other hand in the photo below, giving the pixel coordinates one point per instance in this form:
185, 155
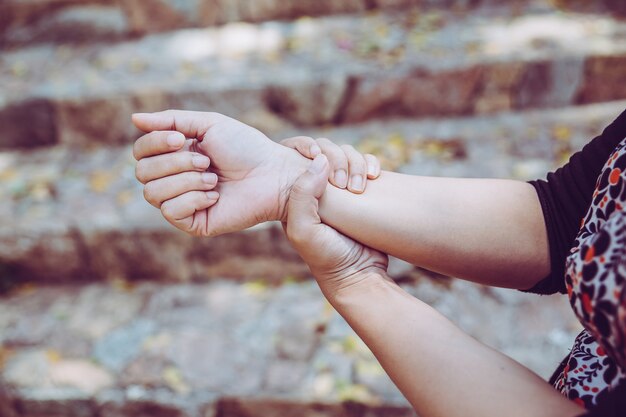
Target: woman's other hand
349, 168
336, 261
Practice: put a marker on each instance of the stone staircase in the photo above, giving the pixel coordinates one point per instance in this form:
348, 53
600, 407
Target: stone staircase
110, 312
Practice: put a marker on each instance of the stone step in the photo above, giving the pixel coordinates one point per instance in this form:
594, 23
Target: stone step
316, 72
234, 350
72, 215
83, 21
74, 21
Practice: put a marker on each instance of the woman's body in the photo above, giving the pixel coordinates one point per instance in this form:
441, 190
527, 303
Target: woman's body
489, 231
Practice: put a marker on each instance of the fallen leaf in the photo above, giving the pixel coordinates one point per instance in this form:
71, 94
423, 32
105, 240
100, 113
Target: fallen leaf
53, 356
100, 181
174, 380
562, 133
124, 197
255, 287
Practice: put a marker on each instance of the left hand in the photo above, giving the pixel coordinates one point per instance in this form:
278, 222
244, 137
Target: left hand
254, 174
335, 260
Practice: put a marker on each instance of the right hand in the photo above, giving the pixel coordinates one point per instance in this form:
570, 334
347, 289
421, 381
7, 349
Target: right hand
336, 261
350, 169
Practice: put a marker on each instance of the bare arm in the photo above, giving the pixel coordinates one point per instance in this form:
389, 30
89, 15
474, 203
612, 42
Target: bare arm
490, 231
439, 369
484, 230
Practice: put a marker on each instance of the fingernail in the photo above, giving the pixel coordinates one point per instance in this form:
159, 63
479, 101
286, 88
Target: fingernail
318, 165
213, 195
341, 178
356, 183
200, 161
371, 170
315, 150
209, 178
175, 140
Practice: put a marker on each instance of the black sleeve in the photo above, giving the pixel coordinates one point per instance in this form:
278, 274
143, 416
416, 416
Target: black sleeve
565, 197
611, 404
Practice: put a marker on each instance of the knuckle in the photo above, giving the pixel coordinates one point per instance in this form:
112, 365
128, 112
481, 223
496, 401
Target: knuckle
167, 210
192, 180
325, 143
149, 192
136, 150
296, 235
140, 171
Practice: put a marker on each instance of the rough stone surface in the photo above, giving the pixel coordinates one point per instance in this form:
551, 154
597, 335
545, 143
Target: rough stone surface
314, 72
242, 330
199, 349
73, 21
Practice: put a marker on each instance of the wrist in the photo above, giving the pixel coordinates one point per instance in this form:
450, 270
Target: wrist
292, 166
363, 285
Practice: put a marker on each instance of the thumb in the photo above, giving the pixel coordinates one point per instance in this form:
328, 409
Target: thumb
192, 124
302, 216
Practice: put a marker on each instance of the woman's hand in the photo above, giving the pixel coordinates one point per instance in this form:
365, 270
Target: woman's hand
348, 167
336, 261
245, 182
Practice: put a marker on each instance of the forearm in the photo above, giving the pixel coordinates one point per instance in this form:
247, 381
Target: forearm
441, 370
489, 231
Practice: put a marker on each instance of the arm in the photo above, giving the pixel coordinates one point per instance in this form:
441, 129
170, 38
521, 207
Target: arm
441, 370
489, 231
476, 229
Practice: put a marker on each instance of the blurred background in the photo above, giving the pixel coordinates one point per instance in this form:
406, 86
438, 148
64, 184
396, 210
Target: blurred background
108, 311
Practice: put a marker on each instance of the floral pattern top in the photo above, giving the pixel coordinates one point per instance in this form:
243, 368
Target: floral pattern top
595, 280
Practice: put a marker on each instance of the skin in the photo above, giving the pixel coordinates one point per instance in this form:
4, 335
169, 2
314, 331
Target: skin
490, 231
440, 370
484, 230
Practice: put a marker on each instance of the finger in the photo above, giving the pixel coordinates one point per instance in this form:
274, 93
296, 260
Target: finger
192, 124
357, 169
303, 144
154, 167
337, 160
156, 143
302, 217
163, 189
373, 166
185, 205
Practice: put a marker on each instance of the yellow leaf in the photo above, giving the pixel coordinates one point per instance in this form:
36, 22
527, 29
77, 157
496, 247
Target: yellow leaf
562, 133
137, 65
255, 287
20, 69
53, 356
8, 174
122, 284
100, 181
354, 392
349, 344
157, 342
174, 379
124, 197
367, 367
5, 354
